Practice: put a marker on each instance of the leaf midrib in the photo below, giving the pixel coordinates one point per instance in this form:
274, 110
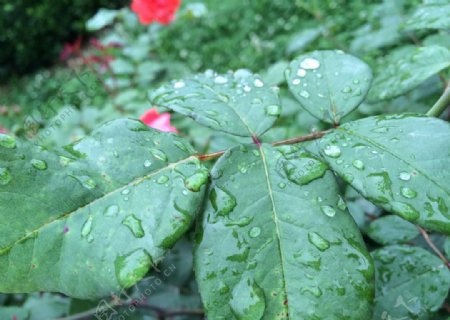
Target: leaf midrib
64, 216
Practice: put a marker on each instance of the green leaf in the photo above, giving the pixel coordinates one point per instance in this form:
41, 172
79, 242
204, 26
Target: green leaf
46, 306
238, 104
391, 230
411, 283
430, 16
14, 313
447, 247
399, 162
92, 218
329, 84
271, 231
406, 68
102, 18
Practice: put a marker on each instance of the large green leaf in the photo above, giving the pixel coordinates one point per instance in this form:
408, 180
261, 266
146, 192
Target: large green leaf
329, 84
406, 68
399, 162
93, 218
430, 16
271, 233
411, 283
237, 103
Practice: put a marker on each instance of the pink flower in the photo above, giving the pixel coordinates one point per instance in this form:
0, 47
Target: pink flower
158, 121
3, 130
71, 49
149, 11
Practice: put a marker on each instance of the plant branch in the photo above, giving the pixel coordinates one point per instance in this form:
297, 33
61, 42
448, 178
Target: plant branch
442, 103
433, 246
308, 137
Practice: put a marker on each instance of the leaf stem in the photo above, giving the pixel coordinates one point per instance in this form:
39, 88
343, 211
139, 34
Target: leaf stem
442, 103
433, 246
308, 137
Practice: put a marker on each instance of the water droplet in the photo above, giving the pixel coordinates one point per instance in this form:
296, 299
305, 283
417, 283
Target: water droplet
320, 243
147, 163
332, 151
405, 176
358, 164
179, 84
87, 227
341, 204
158, 154
39, 164
180, 145
5, 176
315, 291
197, 180
355, 81
310, 63
301, 72
162, 179
258, 83
282, 185
7, 141
346, 90
86, 181
273, 110
135, 225
408, 192
220, 80
296, 82
247, 300
223, 288
112, 210
304, 94
222, 202
254, 232
405, 210
328, 210
132, 267
125, 192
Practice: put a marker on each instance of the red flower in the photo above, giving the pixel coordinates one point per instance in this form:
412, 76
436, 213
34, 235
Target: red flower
158, 121
149, 11
71, 49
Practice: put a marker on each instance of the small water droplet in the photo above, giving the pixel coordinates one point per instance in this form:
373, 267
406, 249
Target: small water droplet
7, 141
147, 163
162, 179
318, 241
315, 291
39, 164
5, 176
310, 63
125, 192
304, 94
179, 84
346, 90
301, 72
220, 80
332, 151
258, 83
86, 181
328, 210
405, 176
273, 110
135, 225
87, 227
358, 164
282, 185
254, 232
408, 192
355, 81
341, 204
132, 267
296, 82
111, 211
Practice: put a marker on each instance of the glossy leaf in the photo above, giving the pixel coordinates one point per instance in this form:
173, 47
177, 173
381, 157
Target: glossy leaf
102, 18
411, 283
399, 162
271, 231
430, 16
329, 84
406, 68
94, 217
392, 230
237, 103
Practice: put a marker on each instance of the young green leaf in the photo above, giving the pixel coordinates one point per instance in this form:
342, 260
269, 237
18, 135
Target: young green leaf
271, 231
399, 162
430, 16
93, 218
406, 68
392, 230
237, 103
411, 283
329, 84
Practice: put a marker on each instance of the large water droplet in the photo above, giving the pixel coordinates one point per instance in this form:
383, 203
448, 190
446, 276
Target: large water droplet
301, 72
358, 164
247, 300
328, 210
332, 151
408, 192
135, 225
158, 154
111, 211
132, 267
222, 202
273, 110
405, 176
318, 241
162, 179
254, 232
87, 227
196, 181
39, 164
310, 63
7, 141
5, 176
